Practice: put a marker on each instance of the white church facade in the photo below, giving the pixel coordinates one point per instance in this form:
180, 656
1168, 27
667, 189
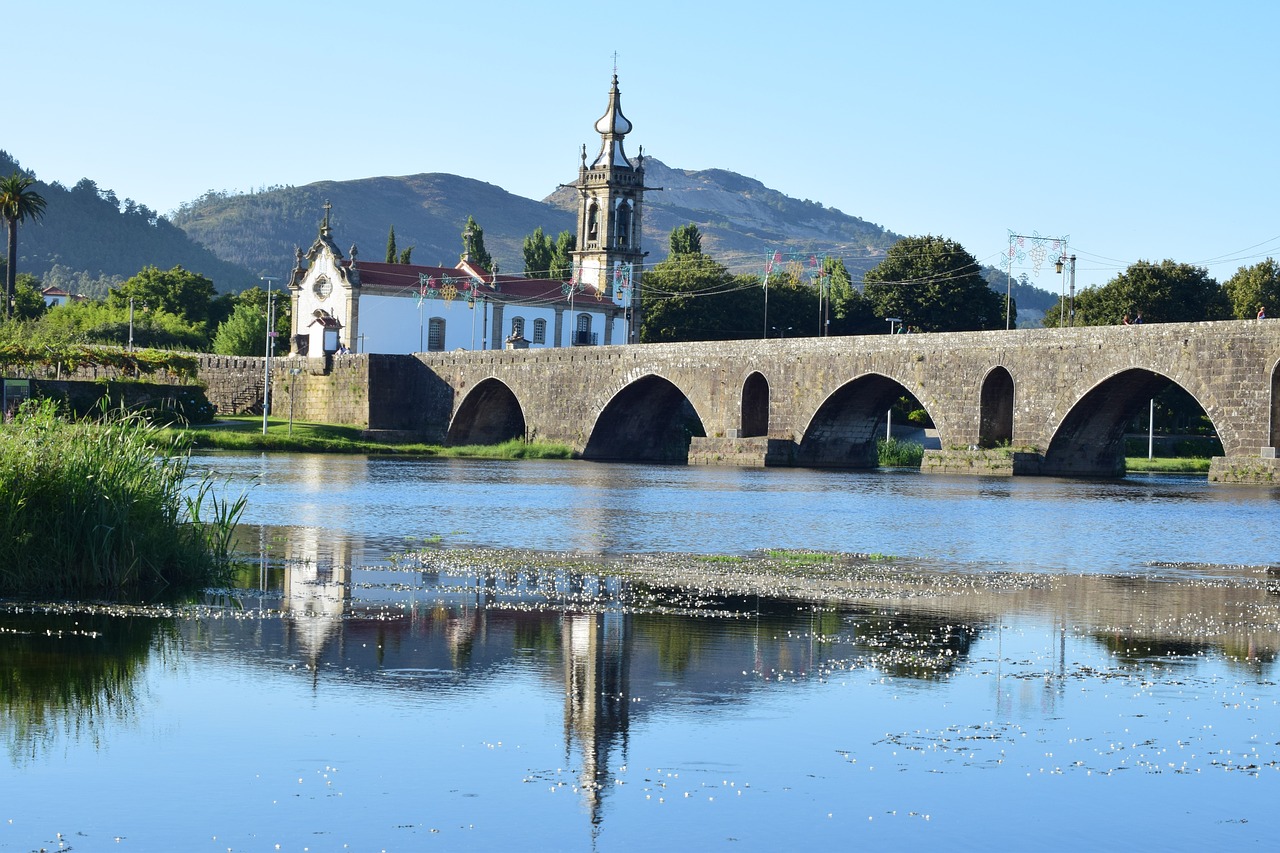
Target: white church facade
342, 303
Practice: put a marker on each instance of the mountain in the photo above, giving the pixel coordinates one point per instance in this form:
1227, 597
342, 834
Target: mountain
87, 233
741, 219
260, 230
235, 238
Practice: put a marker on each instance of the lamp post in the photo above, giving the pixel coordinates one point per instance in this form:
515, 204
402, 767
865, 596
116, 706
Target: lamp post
893, 322
266, 362
1068, 264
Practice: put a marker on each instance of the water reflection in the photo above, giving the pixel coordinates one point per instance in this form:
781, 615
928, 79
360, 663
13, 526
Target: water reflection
67, 672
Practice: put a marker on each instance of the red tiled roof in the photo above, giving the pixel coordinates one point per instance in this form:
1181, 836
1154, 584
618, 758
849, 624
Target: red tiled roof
403, 279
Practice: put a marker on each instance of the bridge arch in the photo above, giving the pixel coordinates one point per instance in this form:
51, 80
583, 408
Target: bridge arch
1089, 442
995, 423
1274, 436
755, 406
649, 420
489, 414
842, 433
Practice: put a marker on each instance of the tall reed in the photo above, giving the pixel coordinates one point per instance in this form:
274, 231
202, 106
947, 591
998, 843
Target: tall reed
98, 508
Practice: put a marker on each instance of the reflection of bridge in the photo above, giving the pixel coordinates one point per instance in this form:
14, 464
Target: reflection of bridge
1040, 401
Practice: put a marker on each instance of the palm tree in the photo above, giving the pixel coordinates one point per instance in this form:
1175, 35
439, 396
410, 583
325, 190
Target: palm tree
18, 203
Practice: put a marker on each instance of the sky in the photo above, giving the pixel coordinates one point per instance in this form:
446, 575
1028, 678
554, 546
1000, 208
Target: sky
1137, 130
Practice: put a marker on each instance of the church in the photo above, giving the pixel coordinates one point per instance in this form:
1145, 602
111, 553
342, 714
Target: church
344, 304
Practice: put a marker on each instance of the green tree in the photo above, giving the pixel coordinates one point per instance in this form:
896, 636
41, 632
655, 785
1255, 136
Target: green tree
692, 297
406, 255
686, 240
933, 284
185, 294
391, 245
243, 333
473, 244
1167, 292
18, 203
256, 297
561, 266
28, 301
537, 251
1252, 288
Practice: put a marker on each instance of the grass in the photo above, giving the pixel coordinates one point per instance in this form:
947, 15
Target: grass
245, 433
790, 556
899, 454
97, 507
1166, 465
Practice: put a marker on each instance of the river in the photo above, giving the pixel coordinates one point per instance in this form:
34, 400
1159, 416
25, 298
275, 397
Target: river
431, 654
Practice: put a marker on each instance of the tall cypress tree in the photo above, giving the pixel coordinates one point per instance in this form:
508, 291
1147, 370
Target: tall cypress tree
391, 246
473, 244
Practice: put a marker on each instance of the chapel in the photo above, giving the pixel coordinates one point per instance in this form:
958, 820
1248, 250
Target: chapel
342, 303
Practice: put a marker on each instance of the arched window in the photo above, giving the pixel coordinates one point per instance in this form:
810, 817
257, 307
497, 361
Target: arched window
622, 228
539, 331
593, 223
435, 334
582, 334
517, 327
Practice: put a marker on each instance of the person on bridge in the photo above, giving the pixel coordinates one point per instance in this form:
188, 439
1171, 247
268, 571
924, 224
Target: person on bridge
1262, 312
1125, 320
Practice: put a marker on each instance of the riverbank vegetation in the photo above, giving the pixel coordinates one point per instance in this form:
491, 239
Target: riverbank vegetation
893, 453
245, 433
98, 508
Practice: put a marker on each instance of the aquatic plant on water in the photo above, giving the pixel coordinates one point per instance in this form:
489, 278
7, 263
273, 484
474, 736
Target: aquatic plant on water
97, 507
893, 453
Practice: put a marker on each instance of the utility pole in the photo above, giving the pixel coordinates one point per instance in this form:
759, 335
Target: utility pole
266, 362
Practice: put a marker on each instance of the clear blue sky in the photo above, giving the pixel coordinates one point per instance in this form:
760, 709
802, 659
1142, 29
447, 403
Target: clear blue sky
1142, 130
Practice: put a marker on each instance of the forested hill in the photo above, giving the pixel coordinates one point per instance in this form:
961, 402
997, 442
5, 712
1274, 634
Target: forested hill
741, 221
235, 238
90, 234
260, 230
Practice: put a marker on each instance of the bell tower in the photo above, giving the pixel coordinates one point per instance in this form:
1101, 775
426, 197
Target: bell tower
610, 192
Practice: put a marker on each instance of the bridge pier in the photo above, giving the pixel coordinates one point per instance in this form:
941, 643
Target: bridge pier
1263, 469
983, 462
755, 452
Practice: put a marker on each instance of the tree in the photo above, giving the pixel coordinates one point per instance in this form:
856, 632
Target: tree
256, 298
561, 266
686, 240
391, 245
1167, 292
18, 203
1254, 287
473, 245
933, 284
243, 333
406, 255
28, 301
537, 254
185, 294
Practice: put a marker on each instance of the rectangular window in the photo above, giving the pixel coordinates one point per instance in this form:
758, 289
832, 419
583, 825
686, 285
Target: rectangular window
435, 334
517, 327
539, 331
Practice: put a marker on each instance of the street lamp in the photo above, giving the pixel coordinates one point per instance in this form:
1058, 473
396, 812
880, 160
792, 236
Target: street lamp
266, 362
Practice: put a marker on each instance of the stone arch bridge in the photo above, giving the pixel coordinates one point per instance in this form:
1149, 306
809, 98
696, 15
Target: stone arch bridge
1036, 401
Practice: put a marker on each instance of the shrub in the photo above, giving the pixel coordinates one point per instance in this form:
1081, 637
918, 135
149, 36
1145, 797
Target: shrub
98, 508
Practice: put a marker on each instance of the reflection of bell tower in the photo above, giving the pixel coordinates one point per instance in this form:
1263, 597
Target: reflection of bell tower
597, 654
610, 191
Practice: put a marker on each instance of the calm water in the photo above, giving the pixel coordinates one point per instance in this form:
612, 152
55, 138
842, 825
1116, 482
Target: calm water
342, 701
